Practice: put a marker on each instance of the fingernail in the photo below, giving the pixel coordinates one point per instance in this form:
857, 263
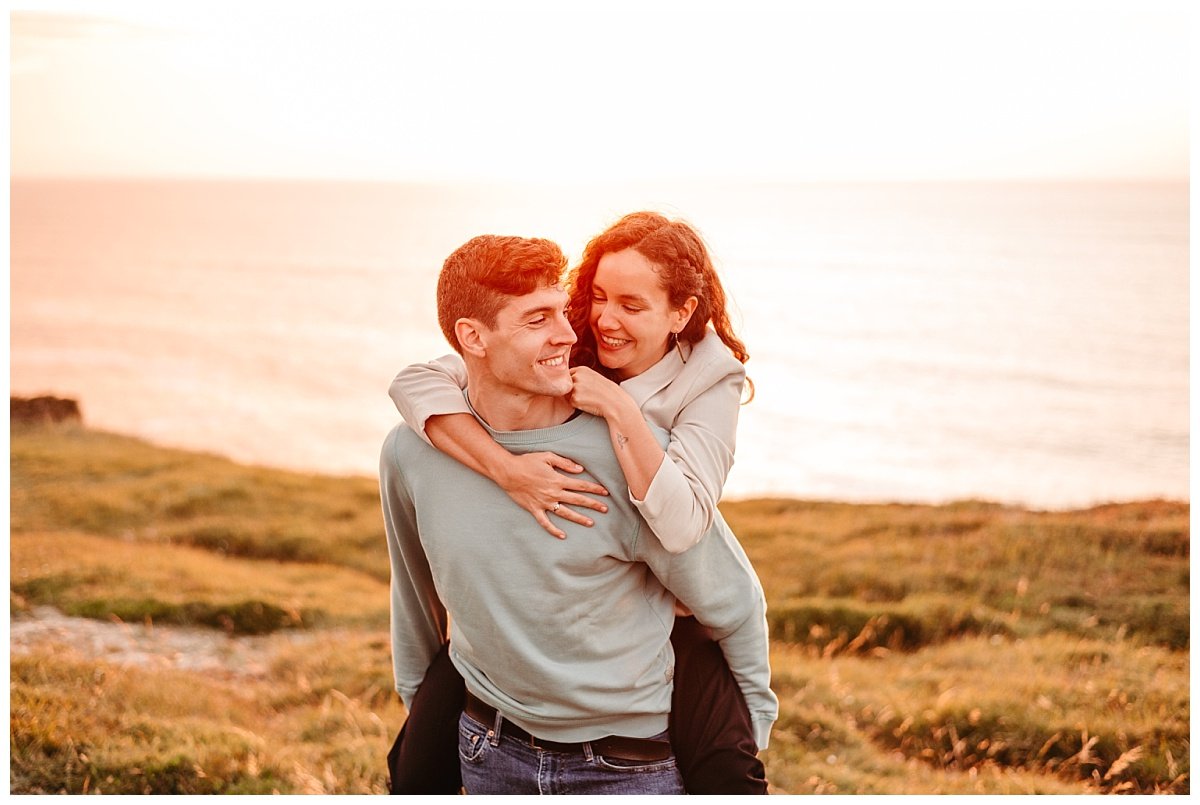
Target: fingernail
589, 522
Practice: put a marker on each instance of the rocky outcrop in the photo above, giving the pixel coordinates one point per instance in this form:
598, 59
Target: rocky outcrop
43, 410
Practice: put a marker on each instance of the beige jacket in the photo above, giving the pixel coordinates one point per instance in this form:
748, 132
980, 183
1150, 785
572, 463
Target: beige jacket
694, 392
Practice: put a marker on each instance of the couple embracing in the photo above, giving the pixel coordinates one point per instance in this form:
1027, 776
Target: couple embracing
615, 641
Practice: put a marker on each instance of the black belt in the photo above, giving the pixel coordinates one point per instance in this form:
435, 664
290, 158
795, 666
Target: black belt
614, 746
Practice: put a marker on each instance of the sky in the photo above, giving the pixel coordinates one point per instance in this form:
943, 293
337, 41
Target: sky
848, 90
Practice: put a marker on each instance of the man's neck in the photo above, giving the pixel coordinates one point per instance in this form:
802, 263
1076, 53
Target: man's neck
502, 409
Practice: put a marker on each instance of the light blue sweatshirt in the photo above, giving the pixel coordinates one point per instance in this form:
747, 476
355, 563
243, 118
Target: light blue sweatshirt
570, 639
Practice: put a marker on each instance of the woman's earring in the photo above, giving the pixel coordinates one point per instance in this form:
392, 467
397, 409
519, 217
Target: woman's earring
679, 349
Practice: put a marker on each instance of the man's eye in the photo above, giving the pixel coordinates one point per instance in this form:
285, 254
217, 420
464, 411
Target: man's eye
539, 321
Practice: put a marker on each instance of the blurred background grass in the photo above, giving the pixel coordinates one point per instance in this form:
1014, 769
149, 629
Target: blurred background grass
965, 648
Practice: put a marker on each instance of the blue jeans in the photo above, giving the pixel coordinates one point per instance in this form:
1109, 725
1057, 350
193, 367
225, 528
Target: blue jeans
497, 764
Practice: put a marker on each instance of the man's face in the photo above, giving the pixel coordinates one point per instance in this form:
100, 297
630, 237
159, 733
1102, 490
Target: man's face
529, 347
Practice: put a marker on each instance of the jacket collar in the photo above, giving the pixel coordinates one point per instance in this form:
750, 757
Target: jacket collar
659, 376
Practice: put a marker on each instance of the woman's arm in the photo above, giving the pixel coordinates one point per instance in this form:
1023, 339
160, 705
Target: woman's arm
637, 450
682, 499
430, 398
677, 490
423, 390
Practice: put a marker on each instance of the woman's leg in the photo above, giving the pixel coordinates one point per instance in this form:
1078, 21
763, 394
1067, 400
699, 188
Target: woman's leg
710, 725
424, 758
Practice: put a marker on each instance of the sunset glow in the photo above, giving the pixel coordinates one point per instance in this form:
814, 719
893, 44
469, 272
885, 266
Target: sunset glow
538, 90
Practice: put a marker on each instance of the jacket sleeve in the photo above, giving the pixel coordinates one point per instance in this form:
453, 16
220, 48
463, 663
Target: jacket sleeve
419, 621
717, 582
423, 390
681, 502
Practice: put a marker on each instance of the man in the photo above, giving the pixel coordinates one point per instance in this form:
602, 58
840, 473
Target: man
564, 645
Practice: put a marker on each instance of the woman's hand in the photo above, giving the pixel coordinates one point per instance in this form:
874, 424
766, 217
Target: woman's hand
593, 392
537, 483
634, 444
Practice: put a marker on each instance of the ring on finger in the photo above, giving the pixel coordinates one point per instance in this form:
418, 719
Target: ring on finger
555, 509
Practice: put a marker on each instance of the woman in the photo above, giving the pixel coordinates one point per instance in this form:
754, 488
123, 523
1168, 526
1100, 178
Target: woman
641, 303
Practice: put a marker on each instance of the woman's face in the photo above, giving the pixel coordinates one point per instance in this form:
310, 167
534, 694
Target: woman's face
631, 318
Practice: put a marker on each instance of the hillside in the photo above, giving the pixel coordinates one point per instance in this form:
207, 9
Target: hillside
966, 648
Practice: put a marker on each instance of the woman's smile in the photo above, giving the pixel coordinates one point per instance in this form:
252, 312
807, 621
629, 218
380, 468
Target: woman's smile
612, 343
631, 316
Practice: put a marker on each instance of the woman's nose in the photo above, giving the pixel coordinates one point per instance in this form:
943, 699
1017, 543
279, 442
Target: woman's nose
606, 320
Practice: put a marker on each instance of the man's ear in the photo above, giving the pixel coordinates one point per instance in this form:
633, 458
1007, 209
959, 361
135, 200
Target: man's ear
471, 337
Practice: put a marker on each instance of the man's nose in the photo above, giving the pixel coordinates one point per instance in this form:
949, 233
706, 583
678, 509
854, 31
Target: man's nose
563, 334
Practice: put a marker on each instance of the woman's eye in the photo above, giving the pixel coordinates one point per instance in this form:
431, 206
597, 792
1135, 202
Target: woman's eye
631, 309
598, 300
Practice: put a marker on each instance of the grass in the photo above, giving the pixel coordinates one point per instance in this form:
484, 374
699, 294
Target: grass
1117, 570
72, 479
966, 648
186, 585
1055, 708
318, 723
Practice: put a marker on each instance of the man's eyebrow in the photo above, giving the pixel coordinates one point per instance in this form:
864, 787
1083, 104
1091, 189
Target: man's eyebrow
533, 311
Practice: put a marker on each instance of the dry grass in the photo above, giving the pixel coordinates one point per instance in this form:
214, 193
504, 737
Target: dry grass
318, 723
968, 648
1113, 717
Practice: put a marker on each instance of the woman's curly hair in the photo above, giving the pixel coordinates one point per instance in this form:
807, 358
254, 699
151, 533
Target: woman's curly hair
684, 269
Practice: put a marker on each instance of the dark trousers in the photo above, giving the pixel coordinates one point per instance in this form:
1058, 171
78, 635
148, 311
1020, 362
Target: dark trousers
710, 726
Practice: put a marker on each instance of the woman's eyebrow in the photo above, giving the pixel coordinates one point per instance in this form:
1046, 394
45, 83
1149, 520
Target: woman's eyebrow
624, 297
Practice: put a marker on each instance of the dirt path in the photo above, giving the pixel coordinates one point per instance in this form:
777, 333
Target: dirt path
184, 648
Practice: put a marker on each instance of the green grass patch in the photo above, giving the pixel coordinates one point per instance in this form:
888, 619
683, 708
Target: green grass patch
834, 626
72, 479
99, 577
1108, 572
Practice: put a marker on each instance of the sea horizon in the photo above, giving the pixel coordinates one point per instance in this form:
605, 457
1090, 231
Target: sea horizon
1018, 341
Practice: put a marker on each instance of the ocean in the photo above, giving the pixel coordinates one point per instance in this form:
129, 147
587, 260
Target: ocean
1016, 342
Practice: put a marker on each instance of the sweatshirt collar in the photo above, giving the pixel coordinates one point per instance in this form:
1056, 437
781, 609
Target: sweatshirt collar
534, 435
